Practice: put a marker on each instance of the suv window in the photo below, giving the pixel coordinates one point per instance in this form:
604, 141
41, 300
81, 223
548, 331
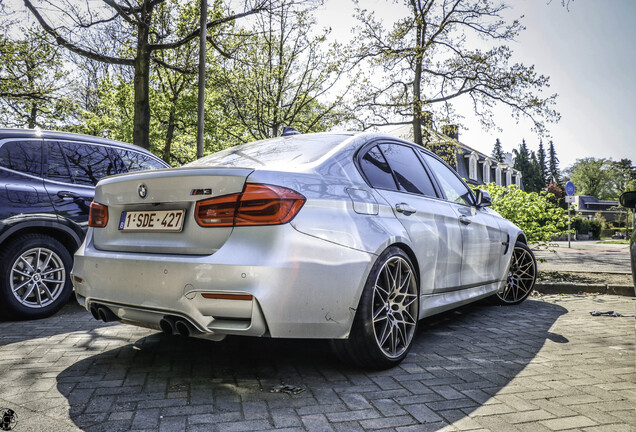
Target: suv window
22, 156
87, 163
377, 170
454, 189
409, 171
57, 168
130, 160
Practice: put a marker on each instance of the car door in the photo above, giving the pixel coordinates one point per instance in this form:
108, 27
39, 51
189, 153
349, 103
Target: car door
398, 175
72, 170
483, 242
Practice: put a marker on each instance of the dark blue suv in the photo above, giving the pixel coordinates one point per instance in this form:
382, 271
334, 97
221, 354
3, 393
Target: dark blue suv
47, 182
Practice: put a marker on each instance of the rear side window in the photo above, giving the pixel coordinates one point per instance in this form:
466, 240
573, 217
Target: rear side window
57, 167
409, 171
22, 156
130, 160
376, 169
87, 163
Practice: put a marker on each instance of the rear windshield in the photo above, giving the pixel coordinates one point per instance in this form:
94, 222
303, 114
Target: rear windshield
283, 151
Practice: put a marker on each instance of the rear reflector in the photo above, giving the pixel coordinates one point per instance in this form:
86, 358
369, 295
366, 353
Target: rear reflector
97, 215
257, 205
227, 296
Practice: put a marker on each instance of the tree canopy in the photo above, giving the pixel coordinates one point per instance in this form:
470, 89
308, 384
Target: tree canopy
32, 82
127, 34
593, 177
425, 60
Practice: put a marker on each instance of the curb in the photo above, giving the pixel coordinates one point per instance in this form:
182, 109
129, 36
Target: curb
570, 288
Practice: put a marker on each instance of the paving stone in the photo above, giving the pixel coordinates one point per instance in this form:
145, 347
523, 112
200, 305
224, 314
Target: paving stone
316, 423
353, 415
387, 422
243, 426
422, 413
568, 423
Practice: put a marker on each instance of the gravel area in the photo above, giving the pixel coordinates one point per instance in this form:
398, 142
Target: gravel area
587, 278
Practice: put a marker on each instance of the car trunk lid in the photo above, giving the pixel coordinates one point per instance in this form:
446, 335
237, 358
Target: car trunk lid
164, 197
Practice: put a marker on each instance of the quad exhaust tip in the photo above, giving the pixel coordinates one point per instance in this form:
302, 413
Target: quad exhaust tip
103, 313
177, 326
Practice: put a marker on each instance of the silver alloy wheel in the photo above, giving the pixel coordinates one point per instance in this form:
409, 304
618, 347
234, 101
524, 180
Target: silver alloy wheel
395, 307
521, 276
37, 277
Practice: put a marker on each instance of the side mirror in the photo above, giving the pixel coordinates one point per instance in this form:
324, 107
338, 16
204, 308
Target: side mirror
628, 199
483, 198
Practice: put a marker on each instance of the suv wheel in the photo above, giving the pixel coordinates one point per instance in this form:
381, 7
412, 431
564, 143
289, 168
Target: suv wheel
34, 272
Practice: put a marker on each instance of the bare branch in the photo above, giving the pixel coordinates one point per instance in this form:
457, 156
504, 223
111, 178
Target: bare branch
72, 47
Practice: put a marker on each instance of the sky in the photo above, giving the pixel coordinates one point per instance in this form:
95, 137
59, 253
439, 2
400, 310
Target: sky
587, 49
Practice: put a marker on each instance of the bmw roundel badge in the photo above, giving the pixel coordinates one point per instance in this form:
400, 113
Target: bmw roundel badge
143, 191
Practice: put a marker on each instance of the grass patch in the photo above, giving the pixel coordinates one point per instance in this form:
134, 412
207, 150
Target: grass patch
624, 241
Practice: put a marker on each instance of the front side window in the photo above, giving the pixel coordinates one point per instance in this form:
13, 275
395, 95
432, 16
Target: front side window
409, 171
377, 170
454, 189
22, 156
87, 163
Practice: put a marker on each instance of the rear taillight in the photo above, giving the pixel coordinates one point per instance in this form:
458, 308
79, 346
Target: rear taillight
97, 215
257, 205
219, 211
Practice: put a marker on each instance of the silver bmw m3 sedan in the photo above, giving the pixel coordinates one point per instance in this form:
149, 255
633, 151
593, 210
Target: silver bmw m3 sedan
351, 237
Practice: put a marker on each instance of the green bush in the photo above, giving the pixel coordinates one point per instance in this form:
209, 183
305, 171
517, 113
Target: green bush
534, 212
585, 226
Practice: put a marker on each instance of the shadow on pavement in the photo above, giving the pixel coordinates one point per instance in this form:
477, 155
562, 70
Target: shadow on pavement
71, 318
460, 360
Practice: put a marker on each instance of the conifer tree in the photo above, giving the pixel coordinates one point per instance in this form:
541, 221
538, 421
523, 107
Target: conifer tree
553, 165
543, 167
497, 151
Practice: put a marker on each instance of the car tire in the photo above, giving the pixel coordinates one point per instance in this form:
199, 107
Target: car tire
522, 274
29, 291
386, 319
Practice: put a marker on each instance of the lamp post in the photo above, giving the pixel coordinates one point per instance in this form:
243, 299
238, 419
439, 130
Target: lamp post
201, 94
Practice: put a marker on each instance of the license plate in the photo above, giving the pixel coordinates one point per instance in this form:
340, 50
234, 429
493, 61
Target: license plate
155, 220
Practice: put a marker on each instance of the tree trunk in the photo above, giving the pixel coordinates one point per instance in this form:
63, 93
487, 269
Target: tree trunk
417, 90
33, 115
169, 136
141, 122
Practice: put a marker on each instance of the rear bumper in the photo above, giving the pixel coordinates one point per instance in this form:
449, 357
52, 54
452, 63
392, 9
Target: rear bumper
301, 286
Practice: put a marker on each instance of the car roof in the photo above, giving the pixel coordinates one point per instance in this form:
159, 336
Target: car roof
49, 134
293, 152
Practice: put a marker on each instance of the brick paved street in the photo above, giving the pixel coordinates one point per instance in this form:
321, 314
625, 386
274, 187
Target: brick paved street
542, 366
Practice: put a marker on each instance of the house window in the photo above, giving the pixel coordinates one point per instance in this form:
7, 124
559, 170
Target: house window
486, 171
498, 176
472, 166
508, 177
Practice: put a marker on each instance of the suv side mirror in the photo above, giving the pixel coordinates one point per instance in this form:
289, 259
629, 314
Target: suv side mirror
628, 199
483, 198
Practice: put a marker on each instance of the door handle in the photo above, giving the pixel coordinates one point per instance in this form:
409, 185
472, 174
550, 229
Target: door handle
68, 194
404, 208
465, 220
